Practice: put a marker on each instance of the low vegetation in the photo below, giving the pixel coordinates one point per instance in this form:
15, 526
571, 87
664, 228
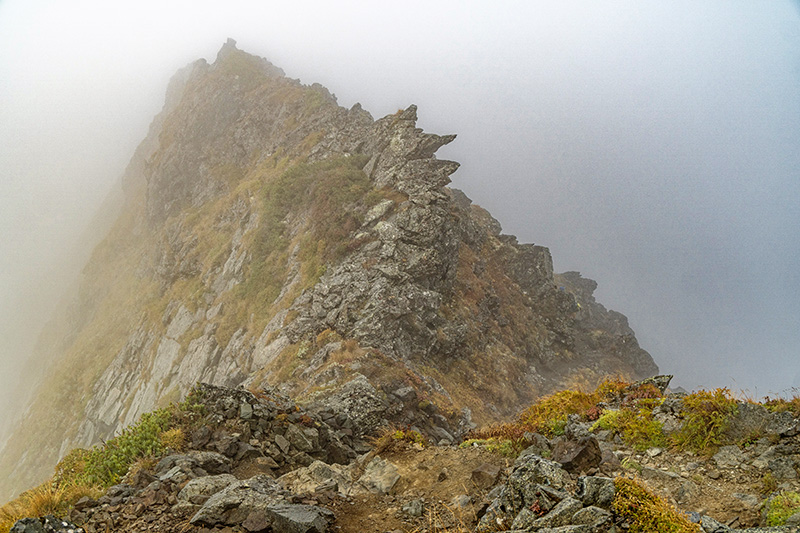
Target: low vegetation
645, 512
781, 507
548, 416
506, 447
89, 472
777, 405
327, 199
636, 427
705, 417
391, 436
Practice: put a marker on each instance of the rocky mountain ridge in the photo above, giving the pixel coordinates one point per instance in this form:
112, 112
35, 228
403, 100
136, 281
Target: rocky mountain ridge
271, 237
257, 462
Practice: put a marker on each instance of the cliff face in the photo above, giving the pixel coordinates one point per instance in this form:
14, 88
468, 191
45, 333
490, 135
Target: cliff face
270, 236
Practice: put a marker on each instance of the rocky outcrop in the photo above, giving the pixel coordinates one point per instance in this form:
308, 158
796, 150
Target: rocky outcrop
258, 462
273, 238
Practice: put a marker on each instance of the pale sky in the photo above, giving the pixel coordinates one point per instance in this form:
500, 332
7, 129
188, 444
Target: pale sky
653, 146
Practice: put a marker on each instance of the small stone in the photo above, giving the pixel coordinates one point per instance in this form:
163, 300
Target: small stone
686, 492
750, 500
282, 443
560, 515
485, 476
592, 516
257, 521
461, 501
380, 476
659, 474
729, 457
85, 503
414, 508
714, 474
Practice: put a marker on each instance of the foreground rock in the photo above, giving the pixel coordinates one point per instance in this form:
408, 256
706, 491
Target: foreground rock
258, 504
46, 524
259, 463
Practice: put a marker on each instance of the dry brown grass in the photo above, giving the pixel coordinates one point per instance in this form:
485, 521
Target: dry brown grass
174, 439
47, 498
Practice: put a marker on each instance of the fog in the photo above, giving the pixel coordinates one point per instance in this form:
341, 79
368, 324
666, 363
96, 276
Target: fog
653, 146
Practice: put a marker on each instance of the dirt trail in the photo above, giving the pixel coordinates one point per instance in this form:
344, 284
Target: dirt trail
434, 475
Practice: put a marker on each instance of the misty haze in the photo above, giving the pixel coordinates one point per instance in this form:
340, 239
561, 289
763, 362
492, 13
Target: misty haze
652, 148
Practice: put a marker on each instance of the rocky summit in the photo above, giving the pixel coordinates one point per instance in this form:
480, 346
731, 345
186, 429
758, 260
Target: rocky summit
271, 238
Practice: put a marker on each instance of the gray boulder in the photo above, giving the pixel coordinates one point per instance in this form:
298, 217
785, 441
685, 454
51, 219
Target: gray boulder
596, 491
380, 476
485, 476
258, 504
290, 518
661, 382
783, 424
195, 464
46, 524
318, 474
533, 479
299, 439
576, 456
782, 468
27, 525
560, 515
750, 420
202, 488
596, 518
729, 457
233, 504
359, 402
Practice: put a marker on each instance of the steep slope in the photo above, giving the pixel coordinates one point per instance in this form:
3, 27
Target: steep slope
270, 236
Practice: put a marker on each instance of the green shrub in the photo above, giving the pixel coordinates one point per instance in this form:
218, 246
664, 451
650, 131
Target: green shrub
631, 464
768, 483
777, 405
706, 415
154, 433
549, 415
389, 437
173, 439
646, 512
641, 431
106, 464
608, 421
411, 436
504, 447
89, 472
781, 507
637, 428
